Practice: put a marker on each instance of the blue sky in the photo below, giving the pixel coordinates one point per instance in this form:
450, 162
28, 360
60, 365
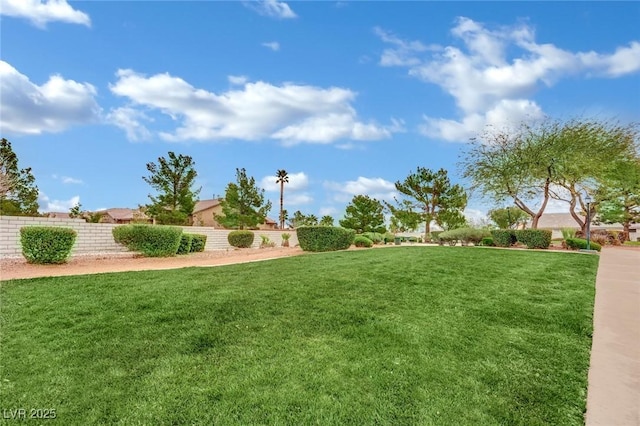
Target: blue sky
348, 97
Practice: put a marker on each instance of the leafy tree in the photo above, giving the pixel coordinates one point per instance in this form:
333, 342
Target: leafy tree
619, 195
403, 218
244, 205
431, 193
508, 217
75, 211
173, 179
18, 192
364, 214
282, 177
527, 164
584, 152
515, 165
284, 216
451, 219
312, 220
326, 220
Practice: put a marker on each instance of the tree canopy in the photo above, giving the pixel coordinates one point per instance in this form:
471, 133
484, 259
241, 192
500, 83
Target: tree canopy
364, 214
244, 204
508, 217
173, 179
429, 193
556, 159
18, 191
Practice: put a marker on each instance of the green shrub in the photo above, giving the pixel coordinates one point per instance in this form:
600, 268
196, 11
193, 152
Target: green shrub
375, 237
241, 238
325, 238
362, 241
198, 243
487, 241
580, 244
46, 244
412, 239
388, 237
449, 237
534, 238
185, 244
266, 242
150, 240
568, 233
285, 239
504, 237
435, 237
632, 243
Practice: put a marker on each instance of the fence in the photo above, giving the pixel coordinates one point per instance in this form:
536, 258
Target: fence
97, 238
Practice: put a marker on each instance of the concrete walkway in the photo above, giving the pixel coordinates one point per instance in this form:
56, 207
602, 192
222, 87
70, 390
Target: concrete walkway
613, 397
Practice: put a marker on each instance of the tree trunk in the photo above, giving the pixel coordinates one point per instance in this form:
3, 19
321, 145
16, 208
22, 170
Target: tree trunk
281, 203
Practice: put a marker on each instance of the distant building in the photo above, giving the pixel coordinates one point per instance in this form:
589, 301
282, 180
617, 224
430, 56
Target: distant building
558, 221
204, 210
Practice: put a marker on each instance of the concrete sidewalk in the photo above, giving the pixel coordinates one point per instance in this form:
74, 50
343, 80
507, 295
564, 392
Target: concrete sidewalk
613, 397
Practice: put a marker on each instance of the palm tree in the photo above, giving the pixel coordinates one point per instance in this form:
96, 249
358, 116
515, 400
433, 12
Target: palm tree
282, 178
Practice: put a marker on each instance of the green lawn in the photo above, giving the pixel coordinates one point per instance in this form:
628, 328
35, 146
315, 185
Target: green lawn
404, 335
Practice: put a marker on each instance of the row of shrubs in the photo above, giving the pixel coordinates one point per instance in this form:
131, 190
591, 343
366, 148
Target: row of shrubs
158, 241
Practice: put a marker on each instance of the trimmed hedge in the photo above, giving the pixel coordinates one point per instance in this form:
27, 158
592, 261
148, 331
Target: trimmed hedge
46, 244
464, 235
580, 244
434, 236
362, 241
534, 238
388, 237
150, 240
504, 237
325, 238
198, 243
185, 244
241, 238
487, 241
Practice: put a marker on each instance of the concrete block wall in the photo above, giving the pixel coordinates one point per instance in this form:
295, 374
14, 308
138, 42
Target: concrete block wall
97, 238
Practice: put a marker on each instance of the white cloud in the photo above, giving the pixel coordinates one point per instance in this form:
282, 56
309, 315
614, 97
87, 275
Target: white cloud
377, 188
40, 13
494, 72
238, 80
328, 211
58, 206
67, 179
273, 45
297, 182
272, 8
290, 112
51, 107
129, 120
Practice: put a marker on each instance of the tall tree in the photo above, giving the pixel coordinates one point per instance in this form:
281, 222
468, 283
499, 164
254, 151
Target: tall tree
514, 165
508, 217
584, 152
173, 179
403, 216
364, 214
431, 193
619, 195
244, 205
18, 191
282, 177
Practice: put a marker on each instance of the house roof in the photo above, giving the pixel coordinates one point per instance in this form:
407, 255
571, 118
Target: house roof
270, 221
206, 204
124, 213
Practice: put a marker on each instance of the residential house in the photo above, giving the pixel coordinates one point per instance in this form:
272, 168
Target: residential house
124, 216
558, 221
204, 210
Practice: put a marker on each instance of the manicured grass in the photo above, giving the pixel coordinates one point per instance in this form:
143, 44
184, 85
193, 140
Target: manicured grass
402, 335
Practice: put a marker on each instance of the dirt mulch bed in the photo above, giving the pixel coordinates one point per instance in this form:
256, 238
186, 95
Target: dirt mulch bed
18, 268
